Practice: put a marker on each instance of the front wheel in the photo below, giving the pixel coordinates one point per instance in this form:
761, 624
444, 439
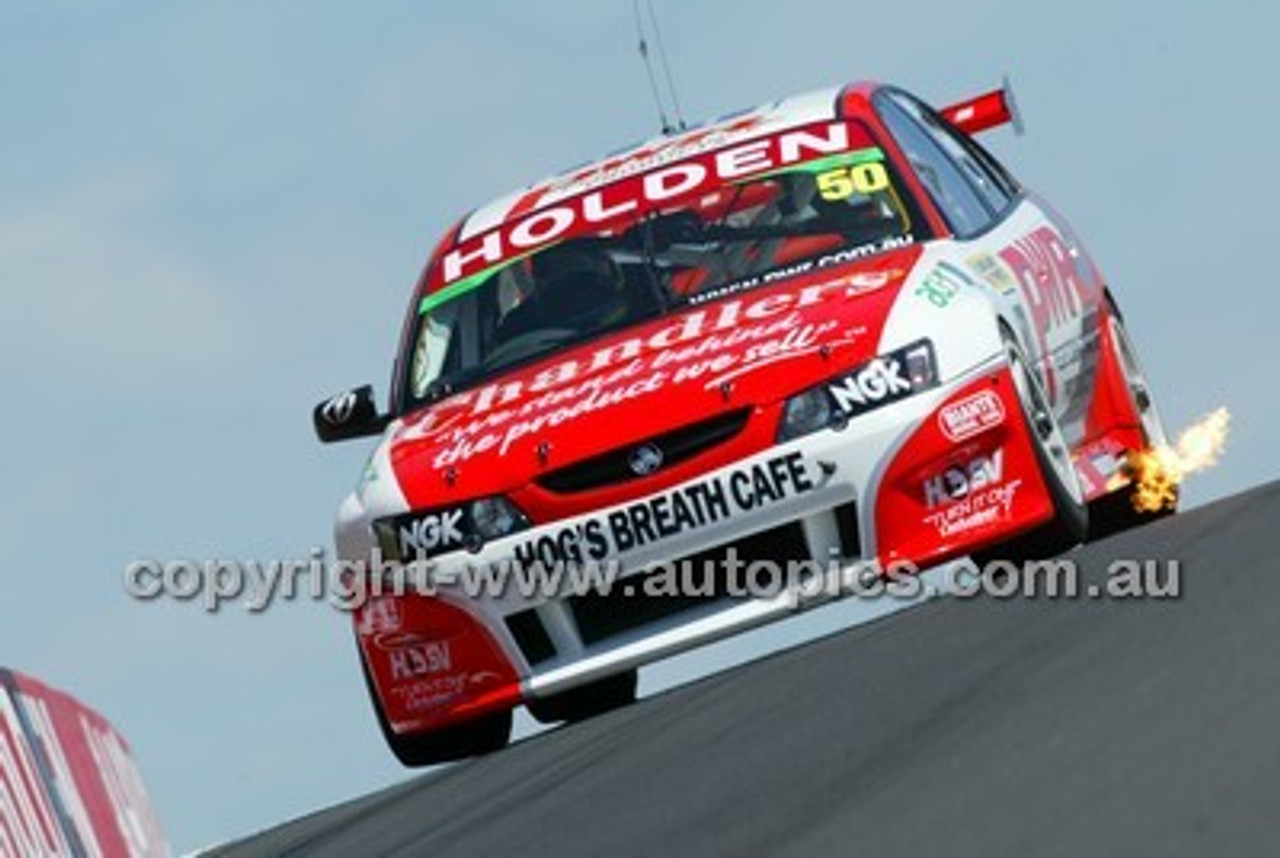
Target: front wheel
1070, 522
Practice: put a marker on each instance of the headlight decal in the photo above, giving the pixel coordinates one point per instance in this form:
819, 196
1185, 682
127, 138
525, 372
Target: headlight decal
431, 533
885, 379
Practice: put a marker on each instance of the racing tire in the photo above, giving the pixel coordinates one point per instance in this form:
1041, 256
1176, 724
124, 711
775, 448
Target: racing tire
1115, 512
586, 701
473, 738
1070, 522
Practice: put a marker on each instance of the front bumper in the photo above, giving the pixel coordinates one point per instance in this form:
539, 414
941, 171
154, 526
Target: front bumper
812, 500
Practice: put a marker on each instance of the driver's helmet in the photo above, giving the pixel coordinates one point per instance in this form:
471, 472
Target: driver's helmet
582, 283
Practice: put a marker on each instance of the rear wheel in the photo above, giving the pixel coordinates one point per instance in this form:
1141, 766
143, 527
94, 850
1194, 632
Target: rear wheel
1071, 516
1115, 512
473, 738
586, 701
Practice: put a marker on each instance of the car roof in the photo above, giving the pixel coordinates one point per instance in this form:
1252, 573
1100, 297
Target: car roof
740, 126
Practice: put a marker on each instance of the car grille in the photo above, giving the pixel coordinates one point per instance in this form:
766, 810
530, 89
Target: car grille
677, 446
531, 636
600, 616
627, 606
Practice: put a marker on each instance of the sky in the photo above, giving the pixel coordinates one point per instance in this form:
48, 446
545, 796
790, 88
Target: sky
211, 217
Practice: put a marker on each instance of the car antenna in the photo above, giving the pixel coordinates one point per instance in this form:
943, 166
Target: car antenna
668, 127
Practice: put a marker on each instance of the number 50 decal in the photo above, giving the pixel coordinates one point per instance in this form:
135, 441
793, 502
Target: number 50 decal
843, 182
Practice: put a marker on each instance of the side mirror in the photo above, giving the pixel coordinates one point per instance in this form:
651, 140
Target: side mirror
351, 414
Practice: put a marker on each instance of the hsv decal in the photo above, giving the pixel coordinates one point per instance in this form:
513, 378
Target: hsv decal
420, 660
970, 495
959, 481
682, 510
971, 416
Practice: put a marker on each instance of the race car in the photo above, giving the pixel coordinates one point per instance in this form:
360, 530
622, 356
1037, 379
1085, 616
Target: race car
831, 333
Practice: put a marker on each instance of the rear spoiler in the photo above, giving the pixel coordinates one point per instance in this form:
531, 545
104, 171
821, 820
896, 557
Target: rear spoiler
989, 110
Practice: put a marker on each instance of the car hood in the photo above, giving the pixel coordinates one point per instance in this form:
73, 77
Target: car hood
741, 351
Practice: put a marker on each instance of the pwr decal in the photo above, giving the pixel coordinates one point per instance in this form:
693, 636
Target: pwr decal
1050, 281
1054, 286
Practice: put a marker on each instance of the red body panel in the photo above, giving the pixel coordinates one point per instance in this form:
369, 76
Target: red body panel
432, 663
981, 112
941, 496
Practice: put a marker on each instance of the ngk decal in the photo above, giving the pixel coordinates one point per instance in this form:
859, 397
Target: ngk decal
961, 480
880, 381
430, 532
420, 660
971, 416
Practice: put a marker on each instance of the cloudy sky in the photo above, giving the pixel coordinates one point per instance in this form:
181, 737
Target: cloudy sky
211, 216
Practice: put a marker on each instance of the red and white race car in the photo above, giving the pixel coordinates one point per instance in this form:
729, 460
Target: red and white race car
826, 332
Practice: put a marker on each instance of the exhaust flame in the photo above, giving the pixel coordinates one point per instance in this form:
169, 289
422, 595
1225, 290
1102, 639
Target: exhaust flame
1157, 473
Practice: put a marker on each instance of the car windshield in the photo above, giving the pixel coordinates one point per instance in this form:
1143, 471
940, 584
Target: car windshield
737, 236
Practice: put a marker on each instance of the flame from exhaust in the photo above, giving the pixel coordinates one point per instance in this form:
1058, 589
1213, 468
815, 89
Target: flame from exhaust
1157, 473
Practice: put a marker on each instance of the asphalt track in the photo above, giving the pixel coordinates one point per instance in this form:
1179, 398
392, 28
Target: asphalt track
979, 727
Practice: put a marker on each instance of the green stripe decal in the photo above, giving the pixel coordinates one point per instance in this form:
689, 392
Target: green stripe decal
461, 287
822, 165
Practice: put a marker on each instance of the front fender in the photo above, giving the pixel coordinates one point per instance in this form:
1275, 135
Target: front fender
941, 301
